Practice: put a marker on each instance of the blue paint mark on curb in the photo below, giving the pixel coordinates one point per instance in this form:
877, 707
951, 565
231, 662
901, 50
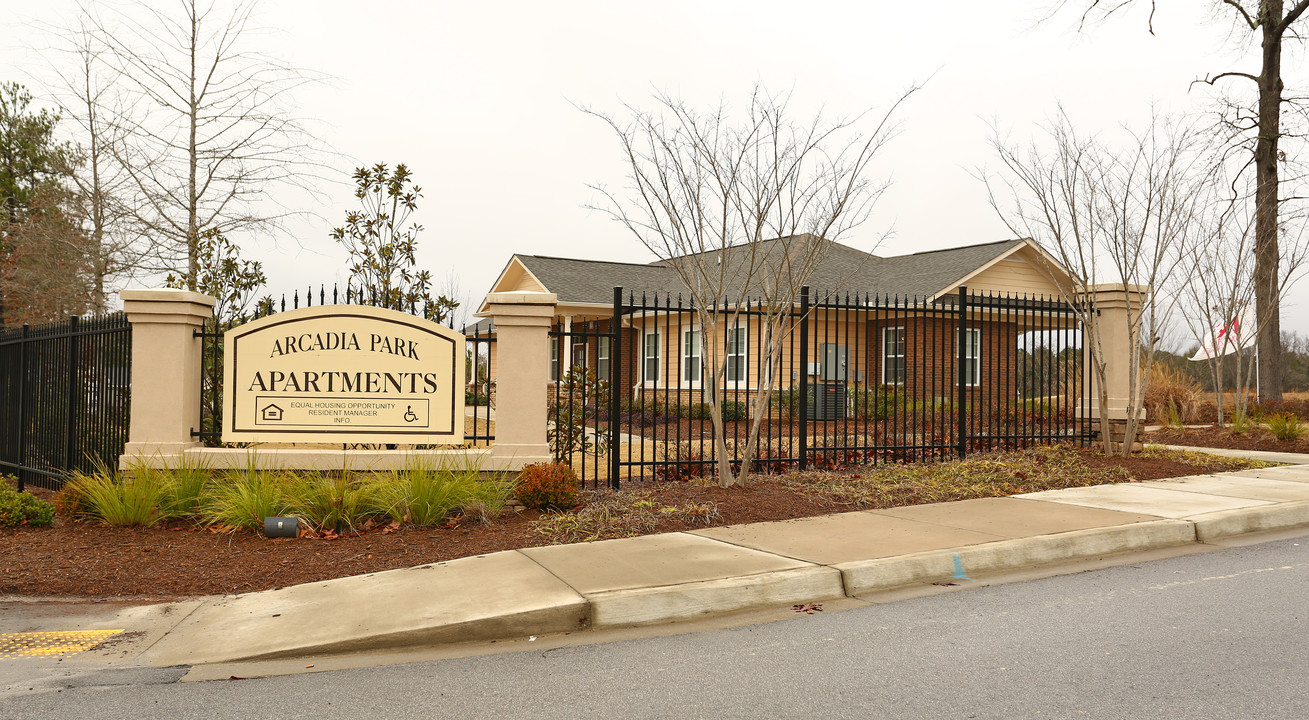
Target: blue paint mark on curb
959, 569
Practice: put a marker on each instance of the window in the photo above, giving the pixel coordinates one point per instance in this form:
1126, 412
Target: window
579, 354
691, 356
893, 356
554, 358
651, 357
736, 355
972, 352
602, 358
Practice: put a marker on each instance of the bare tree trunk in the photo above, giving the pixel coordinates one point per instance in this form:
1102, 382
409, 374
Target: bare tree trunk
1266, 203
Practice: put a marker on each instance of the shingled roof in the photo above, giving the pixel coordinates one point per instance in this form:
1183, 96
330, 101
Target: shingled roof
843, 269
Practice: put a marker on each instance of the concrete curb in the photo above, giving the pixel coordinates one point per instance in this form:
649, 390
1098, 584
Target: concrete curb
937, 565
1227, 523
645, 606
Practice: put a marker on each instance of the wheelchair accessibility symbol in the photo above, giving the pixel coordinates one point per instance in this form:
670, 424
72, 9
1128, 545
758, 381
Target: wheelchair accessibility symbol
409, 414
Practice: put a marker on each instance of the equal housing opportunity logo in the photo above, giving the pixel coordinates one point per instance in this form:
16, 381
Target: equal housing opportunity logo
343, 374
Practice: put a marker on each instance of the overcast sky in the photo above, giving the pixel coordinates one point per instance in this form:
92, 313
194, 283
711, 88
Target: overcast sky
478, 98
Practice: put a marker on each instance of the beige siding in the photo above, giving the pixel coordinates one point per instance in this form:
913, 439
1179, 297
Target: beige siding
516, 278
1021, 273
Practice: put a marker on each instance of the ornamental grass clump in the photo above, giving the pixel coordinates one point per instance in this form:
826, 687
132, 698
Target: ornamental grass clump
330, 501
185, 489
1285, 426
421, 493
133, 499
487, 499
243, 498
23, 508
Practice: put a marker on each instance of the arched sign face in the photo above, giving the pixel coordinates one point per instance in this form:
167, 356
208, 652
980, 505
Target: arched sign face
343, 374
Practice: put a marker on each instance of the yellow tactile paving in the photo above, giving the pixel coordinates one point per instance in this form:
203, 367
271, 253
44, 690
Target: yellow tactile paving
41, 644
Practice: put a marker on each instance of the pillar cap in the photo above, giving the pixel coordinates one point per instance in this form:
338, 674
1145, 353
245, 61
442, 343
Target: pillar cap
166, 295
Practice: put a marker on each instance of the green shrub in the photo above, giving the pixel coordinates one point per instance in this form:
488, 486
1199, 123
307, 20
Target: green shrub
734, 410
544, 486
244, 498
1285, 426
23, 508
569, 413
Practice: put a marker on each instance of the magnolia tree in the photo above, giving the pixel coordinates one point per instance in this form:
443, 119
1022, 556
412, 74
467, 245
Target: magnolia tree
743, 205
1121, 214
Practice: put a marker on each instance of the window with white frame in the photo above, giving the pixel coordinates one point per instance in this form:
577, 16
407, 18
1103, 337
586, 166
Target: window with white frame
554, 358
602, 358
972, 351
736, 355
893, 356
650, 354
691, 356
579, 354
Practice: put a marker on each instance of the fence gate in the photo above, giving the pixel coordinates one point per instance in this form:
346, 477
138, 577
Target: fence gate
580, 425
65, 398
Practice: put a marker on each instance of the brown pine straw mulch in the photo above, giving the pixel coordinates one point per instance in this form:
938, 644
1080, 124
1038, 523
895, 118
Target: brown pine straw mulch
1256, 438
87, 560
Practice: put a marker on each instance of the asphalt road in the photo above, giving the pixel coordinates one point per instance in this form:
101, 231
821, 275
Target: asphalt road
1211, 635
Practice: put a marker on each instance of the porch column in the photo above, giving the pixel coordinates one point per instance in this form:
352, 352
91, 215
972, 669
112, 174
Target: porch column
566, 349
1117, 309
165, 370
522, 325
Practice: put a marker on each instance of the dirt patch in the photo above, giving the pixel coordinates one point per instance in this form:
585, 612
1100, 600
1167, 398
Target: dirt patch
1256, 438
87, 560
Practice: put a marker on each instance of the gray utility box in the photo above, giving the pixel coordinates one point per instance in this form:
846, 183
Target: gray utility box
828, 401
832, 361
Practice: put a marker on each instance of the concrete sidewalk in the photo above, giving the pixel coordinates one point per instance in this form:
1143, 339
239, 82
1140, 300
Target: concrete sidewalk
686, 575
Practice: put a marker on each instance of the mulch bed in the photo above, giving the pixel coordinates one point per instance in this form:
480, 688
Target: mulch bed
75, 559
1256, 438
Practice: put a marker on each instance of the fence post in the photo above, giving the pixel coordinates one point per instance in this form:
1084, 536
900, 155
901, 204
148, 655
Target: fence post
615, 383
70, 429
1116, 328
166, 372
803, 404
961, 393
22, 406
522, 321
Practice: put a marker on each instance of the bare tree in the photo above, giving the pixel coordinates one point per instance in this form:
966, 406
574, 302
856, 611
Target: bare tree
1219, 294
208, 130
1270, 22
744, 207
1109, 216
103, 188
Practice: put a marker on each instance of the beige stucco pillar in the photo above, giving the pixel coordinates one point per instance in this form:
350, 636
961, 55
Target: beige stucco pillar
165, 370
522, 373
1117, 308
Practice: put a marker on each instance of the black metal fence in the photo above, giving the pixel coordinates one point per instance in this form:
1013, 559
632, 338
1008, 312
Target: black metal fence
479, 395
835, 380
65, 397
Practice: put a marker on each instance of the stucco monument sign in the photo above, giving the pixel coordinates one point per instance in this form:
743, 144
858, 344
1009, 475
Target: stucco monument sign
343, 374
